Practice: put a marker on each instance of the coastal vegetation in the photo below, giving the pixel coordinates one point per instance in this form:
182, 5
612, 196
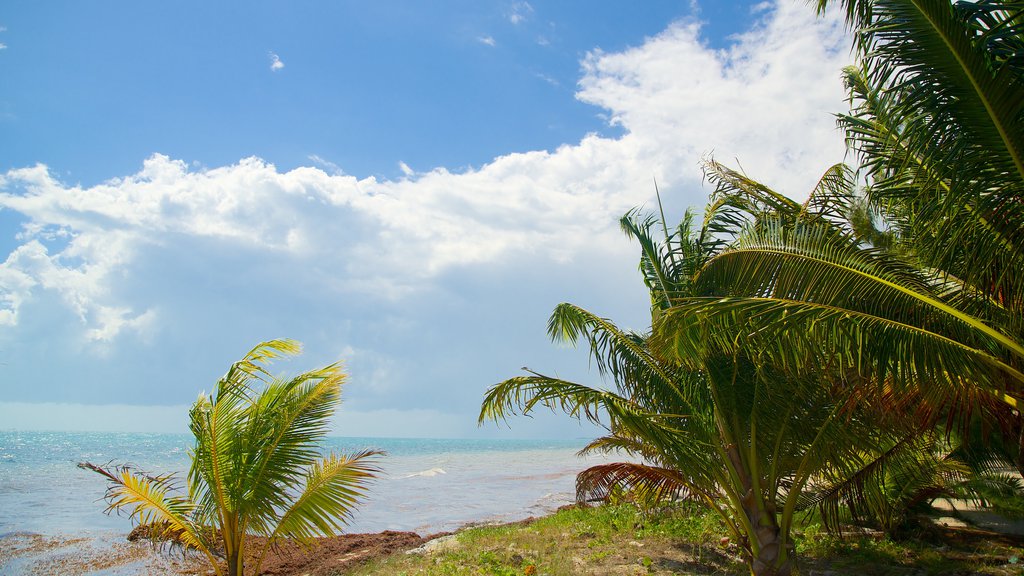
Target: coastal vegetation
256, 467
686, 539
860, 353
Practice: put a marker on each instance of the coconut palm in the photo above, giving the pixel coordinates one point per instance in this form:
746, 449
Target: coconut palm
719, 426
937, 311
256, 466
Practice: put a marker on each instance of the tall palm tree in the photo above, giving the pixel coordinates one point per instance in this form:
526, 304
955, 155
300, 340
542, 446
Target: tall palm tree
256, 466
718, 426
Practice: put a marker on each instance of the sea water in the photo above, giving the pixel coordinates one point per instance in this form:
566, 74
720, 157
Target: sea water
427, 485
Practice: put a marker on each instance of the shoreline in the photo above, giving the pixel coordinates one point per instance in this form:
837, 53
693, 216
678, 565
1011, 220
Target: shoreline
106, 552
32, 554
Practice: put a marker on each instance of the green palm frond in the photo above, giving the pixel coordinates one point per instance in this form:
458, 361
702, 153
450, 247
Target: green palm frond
1001, 491
811, 338
938, 121
968, 238
333, 485
932, 53
285, 426
622, 355
678, 437
523, 394
736, 201
885, 486
812, 288
832, 197
653, 257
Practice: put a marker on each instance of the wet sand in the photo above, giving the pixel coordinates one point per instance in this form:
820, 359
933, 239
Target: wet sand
37, 555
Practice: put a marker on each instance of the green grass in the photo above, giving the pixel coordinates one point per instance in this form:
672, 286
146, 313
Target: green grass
572, 541
687, 540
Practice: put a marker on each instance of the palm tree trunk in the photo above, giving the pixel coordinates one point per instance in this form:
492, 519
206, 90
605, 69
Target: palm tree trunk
1020, 444
769, 556
771, 559
234, 567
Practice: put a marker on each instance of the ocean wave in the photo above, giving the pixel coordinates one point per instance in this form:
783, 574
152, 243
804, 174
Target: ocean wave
426, 473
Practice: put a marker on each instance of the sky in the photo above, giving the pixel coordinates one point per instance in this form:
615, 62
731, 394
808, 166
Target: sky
408, 187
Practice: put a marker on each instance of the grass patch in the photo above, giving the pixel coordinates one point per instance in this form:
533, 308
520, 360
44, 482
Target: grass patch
594, 540
619, 540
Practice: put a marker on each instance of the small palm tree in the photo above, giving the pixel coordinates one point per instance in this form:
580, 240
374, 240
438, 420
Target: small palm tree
256, 466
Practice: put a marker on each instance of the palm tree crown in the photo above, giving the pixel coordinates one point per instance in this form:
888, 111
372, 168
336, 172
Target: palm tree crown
256, 465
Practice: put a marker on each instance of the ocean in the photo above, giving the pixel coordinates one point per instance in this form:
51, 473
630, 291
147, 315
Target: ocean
428, 486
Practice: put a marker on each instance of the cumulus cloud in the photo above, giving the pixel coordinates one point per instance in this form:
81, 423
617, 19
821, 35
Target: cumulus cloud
766, 100
275, 62
488, 40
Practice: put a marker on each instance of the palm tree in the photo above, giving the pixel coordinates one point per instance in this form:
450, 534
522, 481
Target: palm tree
256, 466
719, 426
936, 311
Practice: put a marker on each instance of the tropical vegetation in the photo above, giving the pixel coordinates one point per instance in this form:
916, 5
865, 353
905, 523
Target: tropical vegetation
256, 467
619, 539
862, 351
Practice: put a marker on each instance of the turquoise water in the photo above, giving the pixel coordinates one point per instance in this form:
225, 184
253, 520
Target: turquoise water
428, 485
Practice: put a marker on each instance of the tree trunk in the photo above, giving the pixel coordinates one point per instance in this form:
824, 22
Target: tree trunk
1020, 443
771, 558
234, 568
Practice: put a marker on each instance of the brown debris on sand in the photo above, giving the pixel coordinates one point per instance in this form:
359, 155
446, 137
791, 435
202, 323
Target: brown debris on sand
34, 554
331, 555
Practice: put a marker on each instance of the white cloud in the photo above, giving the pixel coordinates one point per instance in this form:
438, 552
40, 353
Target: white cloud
275, 62
3, 46
488, 40
406, 170
520, 12
549, 79
766, 101
330, 167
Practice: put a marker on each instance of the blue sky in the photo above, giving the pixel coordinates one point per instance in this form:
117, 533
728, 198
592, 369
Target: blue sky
408, 187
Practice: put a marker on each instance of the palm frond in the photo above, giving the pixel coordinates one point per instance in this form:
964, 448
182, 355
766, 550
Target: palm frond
149, 502
648, 486
832, 197
736, 202
332, 488
885, 485
285, 426
939, 123
623, 355
622, 442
